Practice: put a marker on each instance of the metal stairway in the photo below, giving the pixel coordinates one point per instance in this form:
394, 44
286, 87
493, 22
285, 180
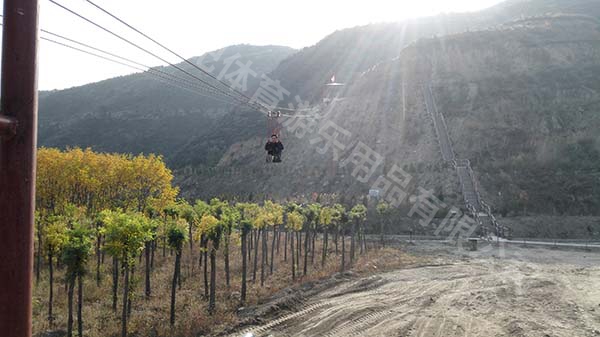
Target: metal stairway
480, 211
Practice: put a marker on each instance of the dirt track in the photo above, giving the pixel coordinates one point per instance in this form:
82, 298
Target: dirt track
531, 292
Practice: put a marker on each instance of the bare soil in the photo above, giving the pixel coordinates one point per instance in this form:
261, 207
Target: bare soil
513, 291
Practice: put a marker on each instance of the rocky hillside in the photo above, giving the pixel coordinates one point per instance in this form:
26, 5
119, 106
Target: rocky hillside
521, 101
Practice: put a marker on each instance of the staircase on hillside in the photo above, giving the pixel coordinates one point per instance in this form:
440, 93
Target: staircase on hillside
481, 212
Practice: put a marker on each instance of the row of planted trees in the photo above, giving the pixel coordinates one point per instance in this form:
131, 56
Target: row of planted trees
82, 219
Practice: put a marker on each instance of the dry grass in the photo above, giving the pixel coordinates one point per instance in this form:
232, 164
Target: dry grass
150, 317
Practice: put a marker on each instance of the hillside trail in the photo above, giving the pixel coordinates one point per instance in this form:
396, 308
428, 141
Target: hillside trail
485, 296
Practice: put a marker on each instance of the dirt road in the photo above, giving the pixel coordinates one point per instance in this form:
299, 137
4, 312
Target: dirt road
531, 292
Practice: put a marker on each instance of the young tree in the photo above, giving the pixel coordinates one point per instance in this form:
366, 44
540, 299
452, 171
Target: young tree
55, 238
261, 222
202, 208
213, 230
230, 217
311, 214
275, 219
383, 210
358, 214
248, 213
176, 238
325, 219
126, 235
76, 252
295, 221
336, 219
188, 213
153, 224
341, 219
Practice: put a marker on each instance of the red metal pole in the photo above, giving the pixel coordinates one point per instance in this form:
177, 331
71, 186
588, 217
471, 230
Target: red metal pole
18, 137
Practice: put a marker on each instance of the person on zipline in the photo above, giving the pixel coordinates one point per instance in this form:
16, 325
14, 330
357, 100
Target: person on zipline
274, 148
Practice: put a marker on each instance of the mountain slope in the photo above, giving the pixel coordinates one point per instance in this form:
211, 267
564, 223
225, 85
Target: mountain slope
516, 82
138, 113
520, 101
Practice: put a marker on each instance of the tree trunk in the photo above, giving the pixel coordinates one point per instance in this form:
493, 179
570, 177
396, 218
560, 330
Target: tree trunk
129, 306
265, 246
255, 245
244, 266
51, 280
205, 253
364, 237
298, 248
213, 273
293, 254
278, 238
152, 254
103, 252
263, 259
201, 250
381, 229
336, 235
70, 288
191, 241
125, 302
352, 239
148, 290
273, 243
115, 285
98, 258
306, 241
312, 247
285, 245
174, 286
228, 235
360, 239
325, 237
343, 267
38, 257
79, 305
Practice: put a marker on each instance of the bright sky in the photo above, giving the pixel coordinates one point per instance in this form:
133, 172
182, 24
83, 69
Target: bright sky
195, 27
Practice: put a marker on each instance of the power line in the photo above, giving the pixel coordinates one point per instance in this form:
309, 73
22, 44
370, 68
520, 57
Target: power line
146, 67
166, 79
173, 52
151, 53
164, 76
241, 99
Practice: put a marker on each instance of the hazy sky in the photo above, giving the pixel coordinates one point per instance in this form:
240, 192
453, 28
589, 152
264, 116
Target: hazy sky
194, 27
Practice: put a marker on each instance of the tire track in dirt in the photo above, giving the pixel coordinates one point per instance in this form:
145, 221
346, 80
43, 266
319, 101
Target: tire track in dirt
480, 297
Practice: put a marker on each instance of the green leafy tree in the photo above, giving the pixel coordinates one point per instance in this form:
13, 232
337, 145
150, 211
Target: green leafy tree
126, 236
202, 208
75, 255
325, 219
55, 235
248, 213
176, 239
311, 214
213, 229
295, 221
358, 214
383, 210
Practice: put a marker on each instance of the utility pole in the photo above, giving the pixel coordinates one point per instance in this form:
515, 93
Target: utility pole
18, 138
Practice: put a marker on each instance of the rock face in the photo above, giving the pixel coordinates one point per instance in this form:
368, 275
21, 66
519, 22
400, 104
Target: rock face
518, 85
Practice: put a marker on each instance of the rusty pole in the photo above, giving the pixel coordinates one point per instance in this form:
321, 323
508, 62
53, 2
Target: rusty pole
18, 137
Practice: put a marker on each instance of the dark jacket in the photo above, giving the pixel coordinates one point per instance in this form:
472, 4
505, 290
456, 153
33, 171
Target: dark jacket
274, 148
